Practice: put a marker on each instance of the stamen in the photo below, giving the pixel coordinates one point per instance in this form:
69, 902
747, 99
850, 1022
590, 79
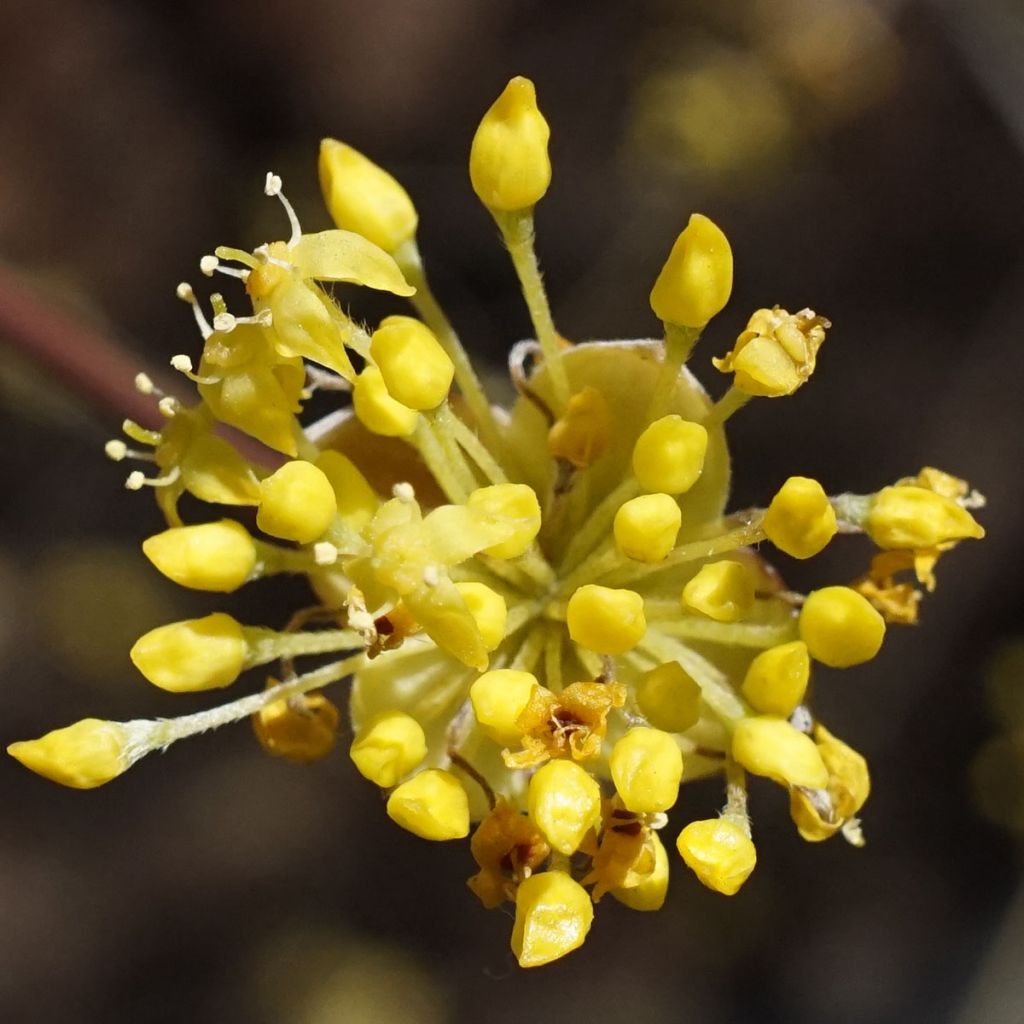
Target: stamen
186, 294
404, 492
325, 553
115, 450
183, 364
210, 265
263, 253
225, 322
145, 386
137, 479
272, 187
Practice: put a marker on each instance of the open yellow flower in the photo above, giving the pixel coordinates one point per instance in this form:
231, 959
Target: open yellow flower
546, 617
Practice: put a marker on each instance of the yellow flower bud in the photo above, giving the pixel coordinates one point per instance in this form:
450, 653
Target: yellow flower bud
302, 729
646, 527
776, 679
580, 436
800, 520
840, 627
218, 556
719, 852
362, 197
606, 621
355, 499
508, 161
498, 699
388, 747
516, 504
915, 517
377, 410
669, 698
488, 610
83, 756
296, 503
197, 654
647, 768
696, 280
650, 893
669, 455
723, 591
770, 746
776, 353
416, 369
553, 916
564, 802
431, 805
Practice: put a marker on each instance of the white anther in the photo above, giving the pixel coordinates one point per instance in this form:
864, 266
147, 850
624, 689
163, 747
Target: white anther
802, 720
184, 292
265, 318
115, 450
144, 384
431, 575
658, 820
136, 480
182, 363
272, 186
168, 406
225, 322
325, 553
209, 265
404, 492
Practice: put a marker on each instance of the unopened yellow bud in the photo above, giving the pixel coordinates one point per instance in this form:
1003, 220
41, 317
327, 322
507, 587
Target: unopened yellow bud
388, 747
362, 197
431, 805
650, 893
915, 517
553, 915
296, 503
840, 627
302, 729
776, 679
564, 803
776, 353
416, 369
580, 435
669, 455
197, 654
800, 519
498, 699
515, 504
646, 527
355, 499
377, 410
606, 621
669, 698
723, 591
771, 746
508, 162
489, 612
719, 852
83, 756
696, 280
218, 556
647, 768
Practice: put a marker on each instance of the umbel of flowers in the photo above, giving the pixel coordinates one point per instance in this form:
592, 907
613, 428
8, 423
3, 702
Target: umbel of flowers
546, 618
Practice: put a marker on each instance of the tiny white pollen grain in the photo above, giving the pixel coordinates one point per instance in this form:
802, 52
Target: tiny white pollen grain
182, 363
115, 450
136, 481
208, 265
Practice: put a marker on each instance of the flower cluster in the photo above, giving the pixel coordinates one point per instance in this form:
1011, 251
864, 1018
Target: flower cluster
546, 616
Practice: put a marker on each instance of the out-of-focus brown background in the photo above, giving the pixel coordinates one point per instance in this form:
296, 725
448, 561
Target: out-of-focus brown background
864, 158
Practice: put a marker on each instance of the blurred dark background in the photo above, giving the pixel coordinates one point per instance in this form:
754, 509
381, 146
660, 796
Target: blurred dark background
864, 158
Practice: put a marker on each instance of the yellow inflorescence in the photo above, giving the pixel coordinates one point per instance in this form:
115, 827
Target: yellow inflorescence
546, 615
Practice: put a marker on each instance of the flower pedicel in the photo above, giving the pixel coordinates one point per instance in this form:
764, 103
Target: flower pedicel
546, 617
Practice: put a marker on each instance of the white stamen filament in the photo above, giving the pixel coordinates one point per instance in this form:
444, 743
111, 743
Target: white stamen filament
186, 294
273, 188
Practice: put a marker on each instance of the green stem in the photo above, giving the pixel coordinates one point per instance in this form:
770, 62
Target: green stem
679, 342
731, 402
267, 645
